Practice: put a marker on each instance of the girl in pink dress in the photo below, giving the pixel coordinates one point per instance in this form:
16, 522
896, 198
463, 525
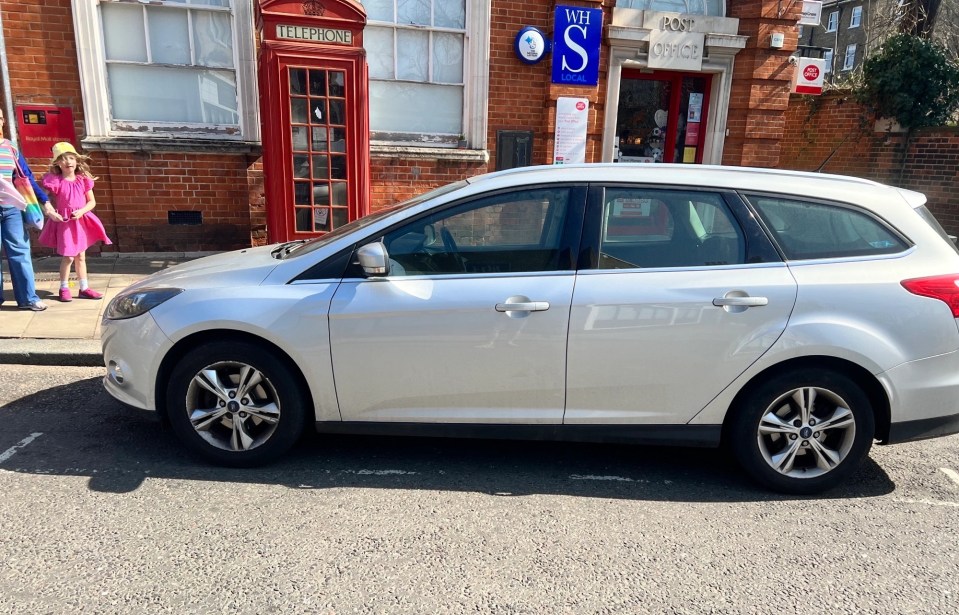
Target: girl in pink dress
72, 226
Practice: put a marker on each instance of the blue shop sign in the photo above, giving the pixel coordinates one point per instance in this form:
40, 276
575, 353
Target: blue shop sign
577, 35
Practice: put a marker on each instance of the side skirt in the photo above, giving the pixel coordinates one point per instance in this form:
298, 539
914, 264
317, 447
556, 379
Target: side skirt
665, 435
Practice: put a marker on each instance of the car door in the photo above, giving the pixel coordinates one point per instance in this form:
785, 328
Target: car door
682, 297
470, 324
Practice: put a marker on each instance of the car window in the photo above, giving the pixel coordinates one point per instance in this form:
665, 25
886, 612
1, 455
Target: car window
806, 230
517, 231
667, 228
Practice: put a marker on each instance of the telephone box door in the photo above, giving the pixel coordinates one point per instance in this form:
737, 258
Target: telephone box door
321, 176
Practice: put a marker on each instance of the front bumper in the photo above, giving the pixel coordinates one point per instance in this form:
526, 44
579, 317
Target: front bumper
132, 351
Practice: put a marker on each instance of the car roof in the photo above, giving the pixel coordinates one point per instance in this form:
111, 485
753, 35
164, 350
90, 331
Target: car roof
823, 185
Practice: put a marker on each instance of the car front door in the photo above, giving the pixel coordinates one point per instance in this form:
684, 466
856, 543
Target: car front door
670, 313
470, 324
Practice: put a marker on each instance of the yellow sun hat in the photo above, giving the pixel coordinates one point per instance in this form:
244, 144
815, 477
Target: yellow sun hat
63, 147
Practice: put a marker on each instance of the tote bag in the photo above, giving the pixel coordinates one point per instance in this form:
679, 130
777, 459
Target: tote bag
32, 214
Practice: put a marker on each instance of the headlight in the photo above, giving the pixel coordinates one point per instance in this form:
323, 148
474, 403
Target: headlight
140, 301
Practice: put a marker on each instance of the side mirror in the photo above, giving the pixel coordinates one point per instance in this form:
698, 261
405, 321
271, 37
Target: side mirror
374, 259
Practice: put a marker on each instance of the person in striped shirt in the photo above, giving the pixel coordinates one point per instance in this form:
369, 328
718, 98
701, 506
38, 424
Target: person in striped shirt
13, 234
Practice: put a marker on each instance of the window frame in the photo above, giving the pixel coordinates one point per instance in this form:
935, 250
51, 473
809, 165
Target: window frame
847, 63
100, 125
832, 21
855, 17
475, 112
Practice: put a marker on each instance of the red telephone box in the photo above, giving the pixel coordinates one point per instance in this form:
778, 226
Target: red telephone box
314, 114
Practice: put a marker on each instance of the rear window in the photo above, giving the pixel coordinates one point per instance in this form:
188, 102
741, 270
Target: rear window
926, 215
808, 230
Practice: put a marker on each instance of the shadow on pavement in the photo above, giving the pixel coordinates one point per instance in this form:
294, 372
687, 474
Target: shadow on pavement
84, 432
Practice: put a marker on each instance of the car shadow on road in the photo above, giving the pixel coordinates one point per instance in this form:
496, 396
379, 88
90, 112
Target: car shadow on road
119, 448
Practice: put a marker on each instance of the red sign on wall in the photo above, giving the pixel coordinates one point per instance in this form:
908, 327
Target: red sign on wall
40, 126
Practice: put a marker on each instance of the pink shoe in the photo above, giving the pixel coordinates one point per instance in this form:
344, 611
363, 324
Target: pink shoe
65, 295
89, 293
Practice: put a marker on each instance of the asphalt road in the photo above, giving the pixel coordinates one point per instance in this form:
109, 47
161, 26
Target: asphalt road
102, 512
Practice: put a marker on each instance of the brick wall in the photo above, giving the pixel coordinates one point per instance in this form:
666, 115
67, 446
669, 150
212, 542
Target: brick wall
834, 134
135, 189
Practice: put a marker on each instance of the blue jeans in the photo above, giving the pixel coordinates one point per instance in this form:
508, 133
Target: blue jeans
16, 244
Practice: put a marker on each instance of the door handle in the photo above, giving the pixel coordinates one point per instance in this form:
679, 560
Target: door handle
523, 306
740, 301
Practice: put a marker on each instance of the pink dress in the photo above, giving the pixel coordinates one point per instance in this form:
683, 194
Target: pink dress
71, 237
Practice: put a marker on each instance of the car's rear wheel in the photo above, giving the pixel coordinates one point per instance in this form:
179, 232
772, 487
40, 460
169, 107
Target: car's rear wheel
235, 403
802, 432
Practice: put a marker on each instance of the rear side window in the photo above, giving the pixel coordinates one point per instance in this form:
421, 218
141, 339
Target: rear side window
644, 227
807, 230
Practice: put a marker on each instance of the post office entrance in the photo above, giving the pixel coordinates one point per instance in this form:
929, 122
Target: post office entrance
662, 116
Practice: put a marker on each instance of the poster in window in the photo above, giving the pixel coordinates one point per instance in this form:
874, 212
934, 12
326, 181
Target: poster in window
570, 138
692, 134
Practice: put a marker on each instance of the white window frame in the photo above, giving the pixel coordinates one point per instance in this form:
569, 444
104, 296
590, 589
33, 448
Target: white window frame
91, 57
832, 22
849, 60
476, 47
855, 17
827, 55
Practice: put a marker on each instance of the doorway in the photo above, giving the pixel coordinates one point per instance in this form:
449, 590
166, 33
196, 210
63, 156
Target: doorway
661, 116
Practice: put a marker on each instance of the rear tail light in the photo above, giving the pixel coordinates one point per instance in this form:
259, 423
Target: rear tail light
942, 287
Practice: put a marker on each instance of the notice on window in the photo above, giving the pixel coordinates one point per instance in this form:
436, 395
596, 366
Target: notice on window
695, 112
692, 134
569, 141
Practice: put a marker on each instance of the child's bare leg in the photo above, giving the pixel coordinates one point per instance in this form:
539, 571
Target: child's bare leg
82, 268
65, 264
85, 291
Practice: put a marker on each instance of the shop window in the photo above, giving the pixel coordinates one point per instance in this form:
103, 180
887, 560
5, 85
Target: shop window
855, 18
167, 68
827, 56
850, 60
421, 55
833, 22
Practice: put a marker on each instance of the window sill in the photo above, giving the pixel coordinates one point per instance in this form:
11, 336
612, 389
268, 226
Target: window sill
160, 144
429, 153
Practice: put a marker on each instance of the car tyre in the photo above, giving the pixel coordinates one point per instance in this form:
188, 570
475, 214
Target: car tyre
235, 403
802, 432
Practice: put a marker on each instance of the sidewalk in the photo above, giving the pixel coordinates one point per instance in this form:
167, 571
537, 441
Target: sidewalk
69, 333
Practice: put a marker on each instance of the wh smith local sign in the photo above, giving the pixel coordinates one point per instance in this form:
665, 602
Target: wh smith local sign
577, 34
809, 76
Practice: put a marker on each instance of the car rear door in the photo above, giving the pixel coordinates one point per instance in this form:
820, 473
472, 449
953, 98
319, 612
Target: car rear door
470, 326
683, 293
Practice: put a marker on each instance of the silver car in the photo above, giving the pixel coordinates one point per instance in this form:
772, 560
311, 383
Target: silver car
794, 318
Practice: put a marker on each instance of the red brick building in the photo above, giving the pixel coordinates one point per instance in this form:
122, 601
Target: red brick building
217, 124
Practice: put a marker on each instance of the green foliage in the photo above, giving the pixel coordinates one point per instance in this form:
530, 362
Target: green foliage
912, 80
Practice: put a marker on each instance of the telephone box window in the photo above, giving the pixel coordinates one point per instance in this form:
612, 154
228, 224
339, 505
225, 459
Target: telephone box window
321, 172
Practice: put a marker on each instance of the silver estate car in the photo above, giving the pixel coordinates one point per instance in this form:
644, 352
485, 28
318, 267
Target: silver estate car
793, 318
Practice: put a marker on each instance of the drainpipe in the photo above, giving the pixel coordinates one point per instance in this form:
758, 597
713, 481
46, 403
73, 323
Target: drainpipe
7, 93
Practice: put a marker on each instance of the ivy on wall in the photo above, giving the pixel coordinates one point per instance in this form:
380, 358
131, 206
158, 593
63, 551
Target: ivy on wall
913, 80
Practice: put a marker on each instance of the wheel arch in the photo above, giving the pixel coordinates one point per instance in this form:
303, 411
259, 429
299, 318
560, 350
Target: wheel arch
873, 389
188, 343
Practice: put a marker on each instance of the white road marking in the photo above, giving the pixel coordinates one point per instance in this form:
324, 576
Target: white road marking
952, 474
379, 472
621, 479
7, 454
929, 502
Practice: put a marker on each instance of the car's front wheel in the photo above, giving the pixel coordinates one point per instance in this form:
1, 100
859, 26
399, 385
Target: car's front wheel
235, 403
802, 432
